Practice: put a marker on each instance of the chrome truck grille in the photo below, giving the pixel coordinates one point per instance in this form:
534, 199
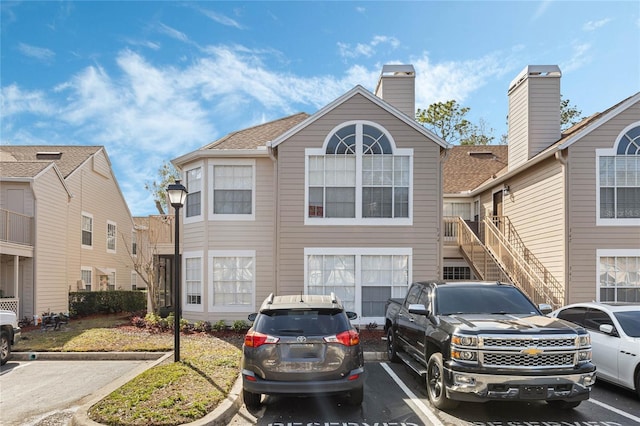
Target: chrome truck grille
527, 352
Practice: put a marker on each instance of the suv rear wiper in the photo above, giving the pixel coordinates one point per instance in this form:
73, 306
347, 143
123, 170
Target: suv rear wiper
291, 330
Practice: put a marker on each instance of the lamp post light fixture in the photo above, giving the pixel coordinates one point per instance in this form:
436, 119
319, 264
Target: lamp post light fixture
177, 196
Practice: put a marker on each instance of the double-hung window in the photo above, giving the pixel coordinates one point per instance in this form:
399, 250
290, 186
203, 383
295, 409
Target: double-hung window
232, 281
85, 275
193, 207
111, 237
87, 230
193, 281
363, 278
618, 180
619, 275
232, 184
358, 177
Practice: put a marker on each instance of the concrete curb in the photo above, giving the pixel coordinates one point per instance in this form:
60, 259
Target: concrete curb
221, 415
88, 356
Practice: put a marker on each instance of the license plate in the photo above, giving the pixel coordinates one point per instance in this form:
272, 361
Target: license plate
533, 392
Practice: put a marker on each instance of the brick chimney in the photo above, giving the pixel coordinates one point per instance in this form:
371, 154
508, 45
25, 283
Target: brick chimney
397, 85
534, 112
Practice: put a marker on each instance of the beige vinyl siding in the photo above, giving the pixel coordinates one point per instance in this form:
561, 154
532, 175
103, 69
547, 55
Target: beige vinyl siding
294, 236
28, 203
586, 237
100, 197
534, 114
234, 235
51, 273
535, 206
399, 92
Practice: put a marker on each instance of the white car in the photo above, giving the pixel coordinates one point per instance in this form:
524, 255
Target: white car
615, 339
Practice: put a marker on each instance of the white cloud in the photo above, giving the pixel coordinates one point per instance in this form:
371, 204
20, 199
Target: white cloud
16, 101
580, 57
366, 49
220, 18
542, 8
172, 32
594, 25
40, 53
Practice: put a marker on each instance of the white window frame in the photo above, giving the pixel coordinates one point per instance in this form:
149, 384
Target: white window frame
358, 252
612, 152
230, 253
83, 215
192, 307
134, 243
88, 269
115, 237
358, 219
203, 199
611, 253
231, 162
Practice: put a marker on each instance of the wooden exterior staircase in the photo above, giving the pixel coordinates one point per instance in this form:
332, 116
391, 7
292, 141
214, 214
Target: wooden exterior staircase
501, 255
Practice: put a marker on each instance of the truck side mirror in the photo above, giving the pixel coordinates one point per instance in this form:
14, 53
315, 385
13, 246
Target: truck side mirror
418, 309
545, 308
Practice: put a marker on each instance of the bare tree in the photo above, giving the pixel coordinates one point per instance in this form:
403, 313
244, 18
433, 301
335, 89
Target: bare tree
143, 253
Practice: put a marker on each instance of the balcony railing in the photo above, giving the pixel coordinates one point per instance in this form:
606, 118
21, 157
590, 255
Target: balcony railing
16, 227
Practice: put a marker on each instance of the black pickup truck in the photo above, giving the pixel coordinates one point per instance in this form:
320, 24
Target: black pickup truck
482, 341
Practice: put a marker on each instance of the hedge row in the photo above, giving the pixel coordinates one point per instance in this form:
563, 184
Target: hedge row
85, 303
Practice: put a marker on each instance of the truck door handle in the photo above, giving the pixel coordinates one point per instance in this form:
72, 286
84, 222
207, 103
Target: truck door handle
411, 319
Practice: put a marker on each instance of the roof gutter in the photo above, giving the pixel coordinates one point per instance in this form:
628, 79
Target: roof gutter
261, 151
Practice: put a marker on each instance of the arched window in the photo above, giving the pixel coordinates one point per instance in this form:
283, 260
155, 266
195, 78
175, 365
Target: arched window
619, 179
359, 174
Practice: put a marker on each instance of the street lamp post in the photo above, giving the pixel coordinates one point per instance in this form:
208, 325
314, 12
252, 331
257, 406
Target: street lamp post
177, 195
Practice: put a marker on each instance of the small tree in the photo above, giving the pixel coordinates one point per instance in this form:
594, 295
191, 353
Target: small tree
569, 114
167, 174
143, 261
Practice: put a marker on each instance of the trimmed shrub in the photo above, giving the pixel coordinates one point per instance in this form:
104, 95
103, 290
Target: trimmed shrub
84, 303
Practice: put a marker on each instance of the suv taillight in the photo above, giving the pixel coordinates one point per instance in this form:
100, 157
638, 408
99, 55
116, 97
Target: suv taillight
347, 338
253, 339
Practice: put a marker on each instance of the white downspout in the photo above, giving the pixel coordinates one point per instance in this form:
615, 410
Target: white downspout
561, 157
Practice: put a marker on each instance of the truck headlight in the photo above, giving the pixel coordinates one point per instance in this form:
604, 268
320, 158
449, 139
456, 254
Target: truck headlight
461, 355
462, 340
584, 356
584, 340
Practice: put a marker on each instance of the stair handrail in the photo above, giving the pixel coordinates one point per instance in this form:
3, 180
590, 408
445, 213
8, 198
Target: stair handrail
467, 238
551, 291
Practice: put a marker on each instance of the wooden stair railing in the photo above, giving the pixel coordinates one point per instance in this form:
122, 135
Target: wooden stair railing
477, 255
524, 269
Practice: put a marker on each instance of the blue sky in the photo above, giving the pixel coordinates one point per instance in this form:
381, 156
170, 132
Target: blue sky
152, 81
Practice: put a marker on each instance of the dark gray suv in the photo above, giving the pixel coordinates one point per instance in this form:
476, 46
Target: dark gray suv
303, 344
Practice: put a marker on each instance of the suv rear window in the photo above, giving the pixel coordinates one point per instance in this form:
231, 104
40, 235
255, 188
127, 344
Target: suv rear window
307, 322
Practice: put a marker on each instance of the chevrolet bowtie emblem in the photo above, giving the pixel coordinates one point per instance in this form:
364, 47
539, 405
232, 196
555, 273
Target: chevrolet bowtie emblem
532, 351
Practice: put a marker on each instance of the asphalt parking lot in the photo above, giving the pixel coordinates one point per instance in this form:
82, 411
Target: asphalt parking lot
32, 391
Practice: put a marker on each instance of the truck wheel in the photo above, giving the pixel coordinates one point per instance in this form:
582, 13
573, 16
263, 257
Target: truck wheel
435, 384
5, 348
392, 350
251, 400
563, 405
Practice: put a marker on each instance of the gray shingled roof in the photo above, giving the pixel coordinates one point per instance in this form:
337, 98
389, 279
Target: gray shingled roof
72, 157
259, 135
467, 166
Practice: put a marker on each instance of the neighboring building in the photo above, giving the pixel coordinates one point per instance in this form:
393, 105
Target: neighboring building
65, 226
347, 200
360, 199
557, 213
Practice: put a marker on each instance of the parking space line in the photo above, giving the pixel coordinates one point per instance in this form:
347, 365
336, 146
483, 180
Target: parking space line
615, 410
425, 410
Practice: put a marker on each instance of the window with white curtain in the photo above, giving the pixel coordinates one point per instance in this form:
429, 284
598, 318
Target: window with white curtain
619, 276
359, 176
85, 276
363, 278
233, 281
618, 182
